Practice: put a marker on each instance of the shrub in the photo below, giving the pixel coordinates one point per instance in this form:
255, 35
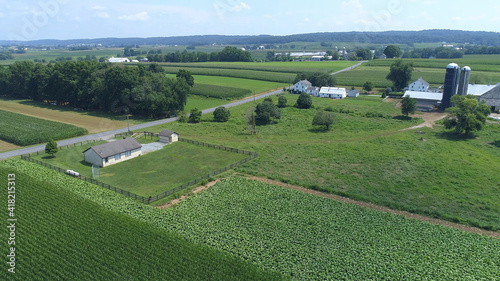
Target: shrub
195, 116
221, 114
282, 102
304, 101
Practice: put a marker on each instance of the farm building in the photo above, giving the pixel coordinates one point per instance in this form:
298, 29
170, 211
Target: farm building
168, 136
103, 155
118, 60
312, 91
333, 93
420, 85
425, 99
353, 94
492, 98
478, 90
301, 86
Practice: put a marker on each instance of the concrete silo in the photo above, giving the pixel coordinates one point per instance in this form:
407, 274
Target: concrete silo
450, 84
463, 84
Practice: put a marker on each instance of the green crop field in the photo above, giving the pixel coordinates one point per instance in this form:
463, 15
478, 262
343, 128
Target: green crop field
370, 159
60, 235
292, 233
201, 103
26, 130
255, 86
219, 92
152, 173
313, 238
237, 73
286, 67
435, 76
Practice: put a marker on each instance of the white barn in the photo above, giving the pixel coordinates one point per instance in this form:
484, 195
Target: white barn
168, 136
103, 155
118, 60
333, 93
312, 91
302, 86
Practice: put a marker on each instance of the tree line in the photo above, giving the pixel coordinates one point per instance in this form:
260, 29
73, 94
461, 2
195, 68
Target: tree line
89, 85
228, 54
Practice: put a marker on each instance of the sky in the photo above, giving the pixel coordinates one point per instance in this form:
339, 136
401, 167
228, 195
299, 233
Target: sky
71, 19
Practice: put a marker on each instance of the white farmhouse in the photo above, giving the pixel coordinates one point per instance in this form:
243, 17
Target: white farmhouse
419, 86
314, 91
333, 93
103, 155
302, 86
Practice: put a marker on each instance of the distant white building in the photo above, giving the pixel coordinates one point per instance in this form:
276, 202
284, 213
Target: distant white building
333, 93
302, 86
353, 94
317, 58
118, 60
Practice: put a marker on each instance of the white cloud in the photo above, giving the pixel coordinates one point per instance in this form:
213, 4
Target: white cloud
102, 15
138, 16
307, 20
100, 8
241, 6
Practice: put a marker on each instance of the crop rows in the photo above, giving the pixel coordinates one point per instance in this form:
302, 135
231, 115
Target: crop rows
63, 236
304, 236
286, 67
237, 73
219, 92
26, 130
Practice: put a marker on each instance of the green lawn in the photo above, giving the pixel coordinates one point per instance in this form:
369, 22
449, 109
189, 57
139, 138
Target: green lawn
152, 173
371, 159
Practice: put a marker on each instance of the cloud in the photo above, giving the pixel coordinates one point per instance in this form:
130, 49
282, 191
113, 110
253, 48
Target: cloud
100, 8
240, 7
102, 15
138, 16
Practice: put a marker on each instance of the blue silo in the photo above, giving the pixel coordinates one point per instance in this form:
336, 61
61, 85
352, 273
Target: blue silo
450, 84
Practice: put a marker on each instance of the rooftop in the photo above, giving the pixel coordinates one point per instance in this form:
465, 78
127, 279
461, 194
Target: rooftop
115, 147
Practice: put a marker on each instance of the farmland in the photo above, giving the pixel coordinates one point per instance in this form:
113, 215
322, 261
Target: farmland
370, 159
91, 121
295, 234
153, 173
219, 92
63, 236
25, 130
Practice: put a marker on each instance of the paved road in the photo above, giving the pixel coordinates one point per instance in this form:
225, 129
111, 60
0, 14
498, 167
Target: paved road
349, 68
108, 134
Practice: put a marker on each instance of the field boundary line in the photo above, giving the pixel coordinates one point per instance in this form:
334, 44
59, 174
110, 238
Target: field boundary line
493, 234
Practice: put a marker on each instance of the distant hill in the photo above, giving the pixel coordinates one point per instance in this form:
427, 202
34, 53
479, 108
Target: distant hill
386, 37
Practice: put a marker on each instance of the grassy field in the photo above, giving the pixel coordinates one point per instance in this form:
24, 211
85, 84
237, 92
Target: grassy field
371, 159
219, 92
292, 233
63, 236
92, 122
26, 130
153, 173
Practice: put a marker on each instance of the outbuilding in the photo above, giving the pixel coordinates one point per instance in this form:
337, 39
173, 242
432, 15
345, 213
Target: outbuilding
353, 94
103, 155
168, 136
492, 98
333, 93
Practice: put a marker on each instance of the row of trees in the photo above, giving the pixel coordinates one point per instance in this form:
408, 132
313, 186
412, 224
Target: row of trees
316, 79
228, 54
139, 90
440, 53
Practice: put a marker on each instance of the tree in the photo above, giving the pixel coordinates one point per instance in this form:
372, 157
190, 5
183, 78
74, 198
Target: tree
400, 73
368, 86
51, 148
324, 118
186, 75
195, 116
386, 92
221, 114
392, 51
304, 101
364, 53
282, 101
408, 106
467, 115
266, 112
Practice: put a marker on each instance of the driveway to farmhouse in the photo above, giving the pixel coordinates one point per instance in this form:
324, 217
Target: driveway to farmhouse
110, 134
